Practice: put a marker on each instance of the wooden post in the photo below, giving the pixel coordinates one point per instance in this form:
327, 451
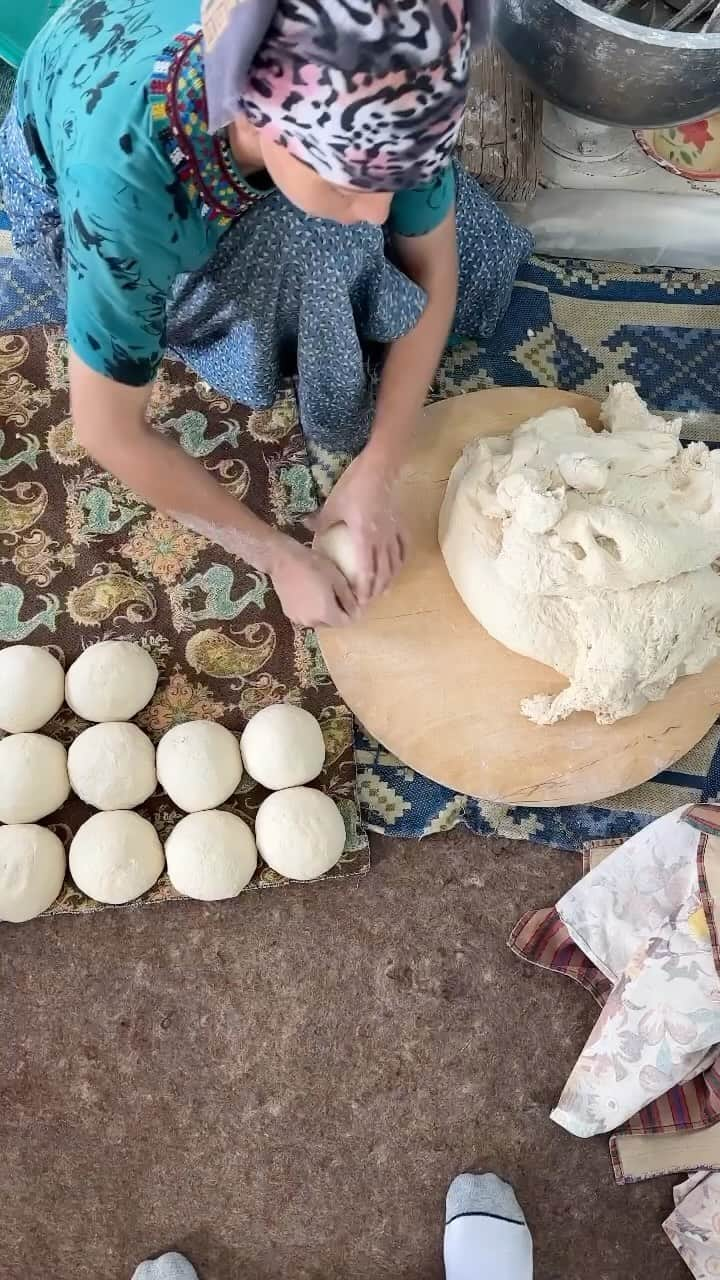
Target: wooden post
502, 132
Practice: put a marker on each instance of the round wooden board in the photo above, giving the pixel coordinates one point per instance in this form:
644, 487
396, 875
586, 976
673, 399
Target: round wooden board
427, 680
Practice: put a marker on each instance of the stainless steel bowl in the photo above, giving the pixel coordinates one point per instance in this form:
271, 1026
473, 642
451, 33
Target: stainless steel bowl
606, 69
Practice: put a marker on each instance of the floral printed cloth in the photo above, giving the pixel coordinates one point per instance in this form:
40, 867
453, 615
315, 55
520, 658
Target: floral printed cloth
694, 1227
640, 932
639, 917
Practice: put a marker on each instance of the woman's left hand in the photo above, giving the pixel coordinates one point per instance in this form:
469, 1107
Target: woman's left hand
364, 500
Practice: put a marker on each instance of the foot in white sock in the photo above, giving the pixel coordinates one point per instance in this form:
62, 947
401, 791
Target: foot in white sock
486, 1235
172, 1266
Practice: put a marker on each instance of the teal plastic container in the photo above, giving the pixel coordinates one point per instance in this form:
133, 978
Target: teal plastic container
20, 21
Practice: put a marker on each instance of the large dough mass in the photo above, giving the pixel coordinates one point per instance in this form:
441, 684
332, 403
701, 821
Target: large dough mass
591, 552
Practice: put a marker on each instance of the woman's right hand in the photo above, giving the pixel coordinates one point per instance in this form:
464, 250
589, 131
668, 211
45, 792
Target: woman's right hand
312, 590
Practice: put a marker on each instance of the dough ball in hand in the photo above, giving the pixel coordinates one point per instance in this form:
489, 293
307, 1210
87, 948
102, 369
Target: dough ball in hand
283, 746
32, 870
300, 833
112, 680
112, 766
115, 857
33, 777
199, 765
338, 545
32, 688
211, 855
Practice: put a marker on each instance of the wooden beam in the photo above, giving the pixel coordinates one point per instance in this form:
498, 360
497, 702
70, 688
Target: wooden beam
501, 137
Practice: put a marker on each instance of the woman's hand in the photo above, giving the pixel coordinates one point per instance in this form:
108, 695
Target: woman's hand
363, 499
312, 590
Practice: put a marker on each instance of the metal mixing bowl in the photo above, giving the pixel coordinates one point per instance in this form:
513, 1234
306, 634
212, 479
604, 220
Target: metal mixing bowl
606, 69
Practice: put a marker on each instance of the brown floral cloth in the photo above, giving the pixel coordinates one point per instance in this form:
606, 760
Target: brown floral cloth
83, 559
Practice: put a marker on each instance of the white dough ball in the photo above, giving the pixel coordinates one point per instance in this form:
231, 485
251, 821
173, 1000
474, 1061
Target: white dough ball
116, 856
32, 688
32, 870
33, 777
112, 680
283, 746
199, 764
211, 855
338, 545
112, 766
300, 833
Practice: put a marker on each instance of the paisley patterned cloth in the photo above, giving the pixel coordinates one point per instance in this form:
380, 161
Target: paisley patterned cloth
82, 559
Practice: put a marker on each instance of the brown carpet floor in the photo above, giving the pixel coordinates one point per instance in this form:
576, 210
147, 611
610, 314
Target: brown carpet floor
282, 1087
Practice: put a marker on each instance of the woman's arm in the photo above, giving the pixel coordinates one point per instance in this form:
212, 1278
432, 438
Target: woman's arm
412, 361
110, 422
363, 498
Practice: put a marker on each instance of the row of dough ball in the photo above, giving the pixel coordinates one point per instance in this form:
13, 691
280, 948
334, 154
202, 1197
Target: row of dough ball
111, 680
199, 764
117, 856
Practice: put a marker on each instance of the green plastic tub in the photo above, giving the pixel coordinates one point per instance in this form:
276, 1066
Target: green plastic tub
20, 21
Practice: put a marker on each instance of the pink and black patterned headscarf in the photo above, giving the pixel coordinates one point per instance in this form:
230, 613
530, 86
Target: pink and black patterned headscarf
369, 93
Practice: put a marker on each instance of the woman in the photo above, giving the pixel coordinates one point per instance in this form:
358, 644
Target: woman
139, 163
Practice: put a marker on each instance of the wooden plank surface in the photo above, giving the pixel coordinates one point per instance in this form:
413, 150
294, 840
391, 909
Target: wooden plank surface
428, 681
502, 131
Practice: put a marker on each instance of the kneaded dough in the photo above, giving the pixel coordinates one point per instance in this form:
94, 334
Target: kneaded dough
300, 833
116, 856
112, 680
338, 545
33, 777
32, 870
591, 552
112, 766
211, 855
283, 746
32, 688
199, 764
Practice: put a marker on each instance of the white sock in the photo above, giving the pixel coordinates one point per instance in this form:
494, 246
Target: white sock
486, 1235
172, 1266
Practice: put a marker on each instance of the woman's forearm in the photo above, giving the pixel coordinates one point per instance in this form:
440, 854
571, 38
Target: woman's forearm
412, 361
159, 471
110, 423
407, 375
